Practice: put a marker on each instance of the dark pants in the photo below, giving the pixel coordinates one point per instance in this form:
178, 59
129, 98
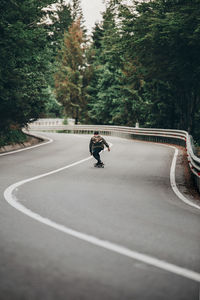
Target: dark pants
96, 155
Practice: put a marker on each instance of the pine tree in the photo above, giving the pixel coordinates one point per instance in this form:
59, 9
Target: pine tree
77, 12
104, 88
164, 41
60, 18
69, 79
24, 62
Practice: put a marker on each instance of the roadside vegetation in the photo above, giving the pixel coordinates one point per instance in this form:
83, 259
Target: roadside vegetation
142, 64
12, 137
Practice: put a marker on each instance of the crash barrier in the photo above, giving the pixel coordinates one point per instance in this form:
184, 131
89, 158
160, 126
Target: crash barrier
168, 136
52, 122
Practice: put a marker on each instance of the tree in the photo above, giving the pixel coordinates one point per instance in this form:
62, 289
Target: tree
24, 56
163, 37
104, 88
69, 79
58, 21
77, 13
146, 65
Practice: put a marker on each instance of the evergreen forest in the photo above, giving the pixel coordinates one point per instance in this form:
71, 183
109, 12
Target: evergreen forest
140, 64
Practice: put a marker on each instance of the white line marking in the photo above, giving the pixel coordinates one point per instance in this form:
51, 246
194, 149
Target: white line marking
101, 243
13, 201
31, 147
173, 181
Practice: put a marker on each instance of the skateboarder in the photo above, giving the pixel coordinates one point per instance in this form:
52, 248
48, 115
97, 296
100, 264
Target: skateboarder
96, 146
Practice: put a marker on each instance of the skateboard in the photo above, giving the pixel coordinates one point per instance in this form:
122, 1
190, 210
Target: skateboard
99, 166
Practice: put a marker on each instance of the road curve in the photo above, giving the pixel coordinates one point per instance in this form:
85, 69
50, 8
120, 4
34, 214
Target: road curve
113, 233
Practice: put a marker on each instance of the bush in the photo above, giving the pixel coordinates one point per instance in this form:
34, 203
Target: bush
14, 136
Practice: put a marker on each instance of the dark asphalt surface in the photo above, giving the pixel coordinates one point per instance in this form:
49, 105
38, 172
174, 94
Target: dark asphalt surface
130, 203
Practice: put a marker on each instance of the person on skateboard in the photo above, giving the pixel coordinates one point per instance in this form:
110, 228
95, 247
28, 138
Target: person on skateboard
96, 145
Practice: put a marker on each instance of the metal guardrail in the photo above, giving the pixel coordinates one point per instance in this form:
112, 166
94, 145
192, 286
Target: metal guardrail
168, 136
52, 122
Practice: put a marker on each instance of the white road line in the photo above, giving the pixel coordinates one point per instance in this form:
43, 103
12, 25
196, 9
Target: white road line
31, 147
173, 181
13, 201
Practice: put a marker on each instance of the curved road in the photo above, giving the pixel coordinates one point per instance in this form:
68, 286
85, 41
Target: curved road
114, 233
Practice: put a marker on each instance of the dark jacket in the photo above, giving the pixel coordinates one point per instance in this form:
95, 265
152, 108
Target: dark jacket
97, 141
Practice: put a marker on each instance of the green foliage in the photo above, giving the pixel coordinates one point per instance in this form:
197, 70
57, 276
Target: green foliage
104, 88
70, 78
143, 64
60, 20
28, 46
53, 109
12, 137
77, 13
107, 92
163, 37
115, 88
24, 62
146, 65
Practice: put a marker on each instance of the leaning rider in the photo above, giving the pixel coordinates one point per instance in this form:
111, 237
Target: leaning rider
96, 146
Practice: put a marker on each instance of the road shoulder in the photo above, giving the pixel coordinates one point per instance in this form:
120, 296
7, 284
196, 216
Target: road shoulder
184, 178
31, 141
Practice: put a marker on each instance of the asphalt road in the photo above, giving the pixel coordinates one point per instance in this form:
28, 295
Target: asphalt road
129, 203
